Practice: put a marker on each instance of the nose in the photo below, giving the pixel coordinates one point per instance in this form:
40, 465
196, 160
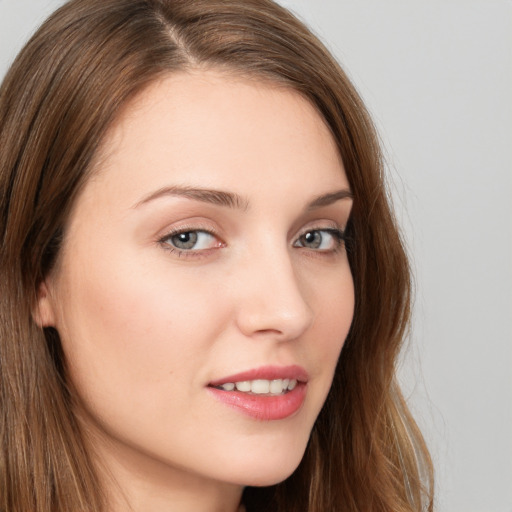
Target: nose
271, 301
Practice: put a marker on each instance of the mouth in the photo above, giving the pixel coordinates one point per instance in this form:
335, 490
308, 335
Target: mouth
266, 393
275, 387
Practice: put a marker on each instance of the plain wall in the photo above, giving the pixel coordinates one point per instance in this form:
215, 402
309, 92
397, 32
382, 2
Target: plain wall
437, 77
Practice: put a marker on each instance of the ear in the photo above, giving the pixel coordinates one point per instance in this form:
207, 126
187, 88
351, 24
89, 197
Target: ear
43, 313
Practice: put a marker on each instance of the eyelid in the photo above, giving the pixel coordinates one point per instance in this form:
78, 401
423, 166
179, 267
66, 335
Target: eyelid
337, 233
188, 225
322, 225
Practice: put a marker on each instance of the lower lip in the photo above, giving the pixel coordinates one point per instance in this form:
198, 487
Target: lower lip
263, 407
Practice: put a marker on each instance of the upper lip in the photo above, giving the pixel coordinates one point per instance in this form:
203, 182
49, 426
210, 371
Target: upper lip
266, 373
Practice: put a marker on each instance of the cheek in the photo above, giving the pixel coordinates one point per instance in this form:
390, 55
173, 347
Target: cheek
127, 329
335, 310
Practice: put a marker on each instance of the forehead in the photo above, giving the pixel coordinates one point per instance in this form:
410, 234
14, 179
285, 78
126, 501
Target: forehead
216, 129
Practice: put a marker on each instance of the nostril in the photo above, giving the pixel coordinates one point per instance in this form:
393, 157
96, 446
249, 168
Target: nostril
275, 324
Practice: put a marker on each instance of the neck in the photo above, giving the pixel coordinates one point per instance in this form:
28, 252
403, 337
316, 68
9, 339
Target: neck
175, 491
146, 497
133, 482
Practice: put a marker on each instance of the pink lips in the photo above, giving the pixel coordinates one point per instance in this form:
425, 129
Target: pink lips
264, 407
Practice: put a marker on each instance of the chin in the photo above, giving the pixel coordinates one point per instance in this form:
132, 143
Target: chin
269, 480
268, 469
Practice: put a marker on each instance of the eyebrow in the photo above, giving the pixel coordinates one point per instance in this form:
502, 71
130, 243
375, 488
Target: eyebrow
233, 200
217, 197
330, 198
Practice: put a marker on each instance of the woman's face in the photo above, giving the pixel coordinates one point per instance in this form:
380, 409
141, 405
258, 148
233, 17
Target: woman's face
205, 255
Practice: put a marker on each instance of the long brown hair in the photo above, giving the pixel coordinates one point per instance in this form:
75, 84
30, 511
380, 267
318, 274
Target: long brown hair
57, 101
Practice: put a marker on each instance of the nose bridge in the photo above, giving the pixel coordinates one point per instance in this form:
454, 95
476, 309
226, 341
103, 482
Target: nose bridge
272, 298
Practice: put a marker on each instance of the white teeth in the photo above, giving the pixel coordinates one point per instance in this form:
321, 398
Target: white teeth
243, 386
276, 386
261, 386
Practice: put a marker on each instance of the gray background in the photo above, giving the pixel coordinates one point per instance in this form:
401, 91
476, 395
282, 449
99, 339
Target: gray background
437, 77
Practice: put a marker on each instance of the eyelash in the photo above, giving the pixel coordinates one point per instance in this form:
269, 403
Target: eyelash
337, 234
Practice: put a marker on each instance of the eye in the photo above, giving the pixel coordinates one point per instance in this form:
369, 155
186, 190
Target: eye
191, 240
321, 239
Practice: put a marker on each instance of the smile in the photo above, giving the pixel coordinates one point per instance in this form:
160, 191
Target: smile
267, 393
261, 386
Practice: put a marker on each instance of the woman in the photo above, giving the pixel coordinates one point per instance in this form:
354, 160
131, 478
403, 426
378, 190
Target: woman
194, 227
